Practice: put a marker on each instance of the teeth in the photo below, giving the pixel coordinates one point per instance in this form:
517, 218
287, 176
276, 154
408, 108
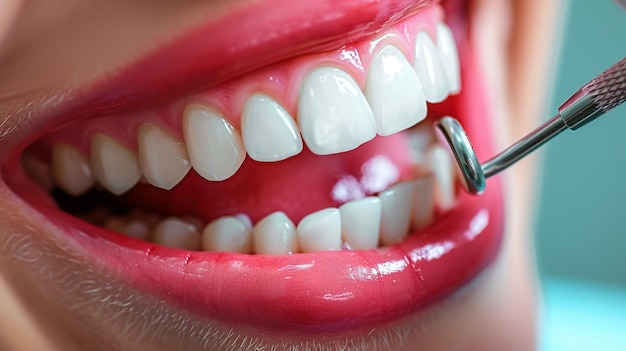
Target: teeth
38, 171
394, 92
275, 235
429, 69
269, 132
163, 159
214, 146
360, 223
176, 233
396, 212
334, 116
114, 223
423, 201
136, 229
71, 170
227, 234
449, 57
320, 231
333, 113
442, 167
113, 165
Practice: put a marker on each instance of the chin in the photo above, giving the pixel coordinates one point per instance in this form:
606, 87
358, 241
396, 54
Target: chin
269, 180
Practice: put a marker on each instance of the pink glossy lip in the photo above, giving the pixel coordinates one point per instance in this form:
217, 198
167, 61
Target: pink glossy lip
326, 291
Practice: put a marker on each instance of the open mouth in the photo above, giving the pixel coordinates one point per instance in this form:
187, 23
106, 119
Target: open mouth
297, 191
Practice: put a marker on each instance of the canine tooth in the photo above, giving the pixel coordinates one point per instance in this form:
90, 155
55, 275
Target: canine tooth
449, 57
227, 234
360, 223
176, 233
275, 235
214, 145
394, 92
269, 132
71, 170
429, 69
333, 113
113, 165
442, 167
320, 231
423, 201
163, 159
396, 204
136, 229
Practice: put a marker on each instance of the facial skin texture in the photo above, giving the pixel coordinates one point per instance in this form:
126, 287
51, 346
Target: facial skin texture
514, 40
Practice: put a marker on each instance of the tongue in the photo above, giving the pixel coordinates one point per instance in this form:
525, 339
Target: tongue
297, 186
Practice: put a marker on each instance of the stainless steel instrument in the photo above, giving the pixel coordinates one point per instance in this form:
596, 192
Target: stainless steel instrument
594, 99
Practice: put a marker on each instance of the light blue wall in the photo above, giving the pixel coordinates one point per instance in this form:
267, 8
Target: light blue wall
581, 227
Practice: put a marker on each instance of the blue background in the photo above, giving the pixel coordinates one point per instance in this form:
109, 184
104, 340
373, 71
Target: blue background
581, 214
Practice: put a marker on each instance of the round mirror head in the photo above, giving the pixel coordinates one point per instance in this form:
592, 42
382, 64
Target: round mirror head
453, 136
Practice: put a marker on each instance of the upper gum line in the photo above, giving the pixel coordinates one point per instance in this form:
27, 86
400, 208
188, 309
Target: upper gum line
85, 147
281, 82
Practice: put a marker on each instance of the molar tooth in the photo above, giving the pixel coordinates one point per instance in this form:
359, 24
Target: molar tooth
269, 132
360, 223
214, 145
227, 234
423, 201
71, 170
176, 233
320, 231
114, 223
394, 92
449, 57
396, 204
163, 159
429, 69
443, 169
275, 235
38, 171
113, 165
136, 229
333, 113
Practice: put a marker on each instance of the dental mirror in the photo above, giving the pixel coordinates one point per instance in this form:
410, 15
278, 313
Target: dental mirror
600, 95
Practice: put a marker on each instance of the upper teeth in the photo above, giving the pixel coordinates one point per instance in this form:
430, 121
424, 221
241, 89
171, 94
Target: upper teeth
334, 114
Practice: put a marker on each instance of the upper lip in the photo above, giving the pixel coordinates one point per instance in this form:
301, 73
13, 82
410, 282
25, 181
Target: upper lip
410, 270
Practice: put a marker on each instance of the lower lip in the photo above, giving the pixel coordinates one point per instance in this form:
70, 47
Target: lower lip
312, 293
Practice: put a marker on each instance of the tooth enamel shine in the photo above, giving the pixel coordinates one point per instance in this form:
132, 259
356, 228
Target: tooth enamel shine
396, 212
163, 159
333, 113
429, 69
71, 170
113, 165
394, 92
176, 233
360, 223
227, 234
269, 132
320, 231
449, 57
214, 145
275, 235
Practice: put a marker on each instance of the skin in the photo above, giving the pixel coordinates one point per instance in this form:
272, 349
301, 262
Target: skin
497, 313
